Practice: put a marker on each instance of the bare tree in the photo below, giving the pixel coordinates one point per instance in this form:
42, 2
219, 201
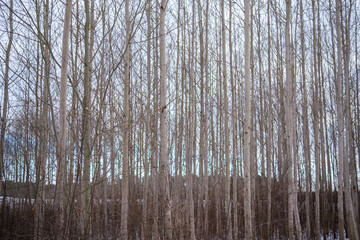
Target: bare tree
247, 130
206, 114
270, 130
126, 139
290, 129
164, 167
6, 89
86, 145
63, 132
226, 126
340, 115
305, 127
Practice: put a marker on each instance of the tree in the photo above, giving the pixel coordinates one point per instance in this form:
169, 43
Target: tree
188, 114
63, 129
6, 89
290, 130
164, 167
190, 143
270, 130
227, 140
305, 127
86, 145
247, 130
316, 128
340, 116
126, 138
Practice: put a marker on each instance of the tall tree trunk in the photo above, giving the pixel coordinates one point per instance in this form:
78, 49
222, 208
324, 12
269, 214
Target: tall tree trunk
227, 140
45, 122
104, 127
6, 90
74, 131
126, 138
205, 124
234, 130
63, 131
154, 144
191, 150
350, 181
305, 128
144, 234
85, 221
247, 129
340, 116
164, 167
112, 162
203, 134
290, 128
269, 143
38, 216
316, 128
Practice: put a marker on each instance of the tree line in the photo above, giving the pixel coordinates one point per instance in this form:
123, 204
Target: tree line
180, 119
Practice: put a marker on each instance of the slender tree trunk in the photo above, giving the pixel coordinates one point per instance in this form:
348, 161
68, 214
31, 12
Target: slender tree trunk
38, 217
126, 138
305, 128
316, 129
247, 129
85, 222
154, 145
290, 126
205, 124
234, 130
349, 157
63, 129
6, 90
45, 122
104, 127
226, 122
148, 135
340, 116
112, 163
74, 133
191, 150
203, 152
164, 167
269, 142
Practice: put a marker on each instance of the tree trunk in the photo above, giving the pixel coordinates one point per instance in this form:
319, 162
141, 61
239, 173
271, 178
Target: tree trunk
164, 167
203, 128
305, 129
340, 116
126, 138
85, 220
247, 129
227, 140
350, 181
63, 129
290, 128
6, 90
269, 143
191, 150
234, 130
316, 129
